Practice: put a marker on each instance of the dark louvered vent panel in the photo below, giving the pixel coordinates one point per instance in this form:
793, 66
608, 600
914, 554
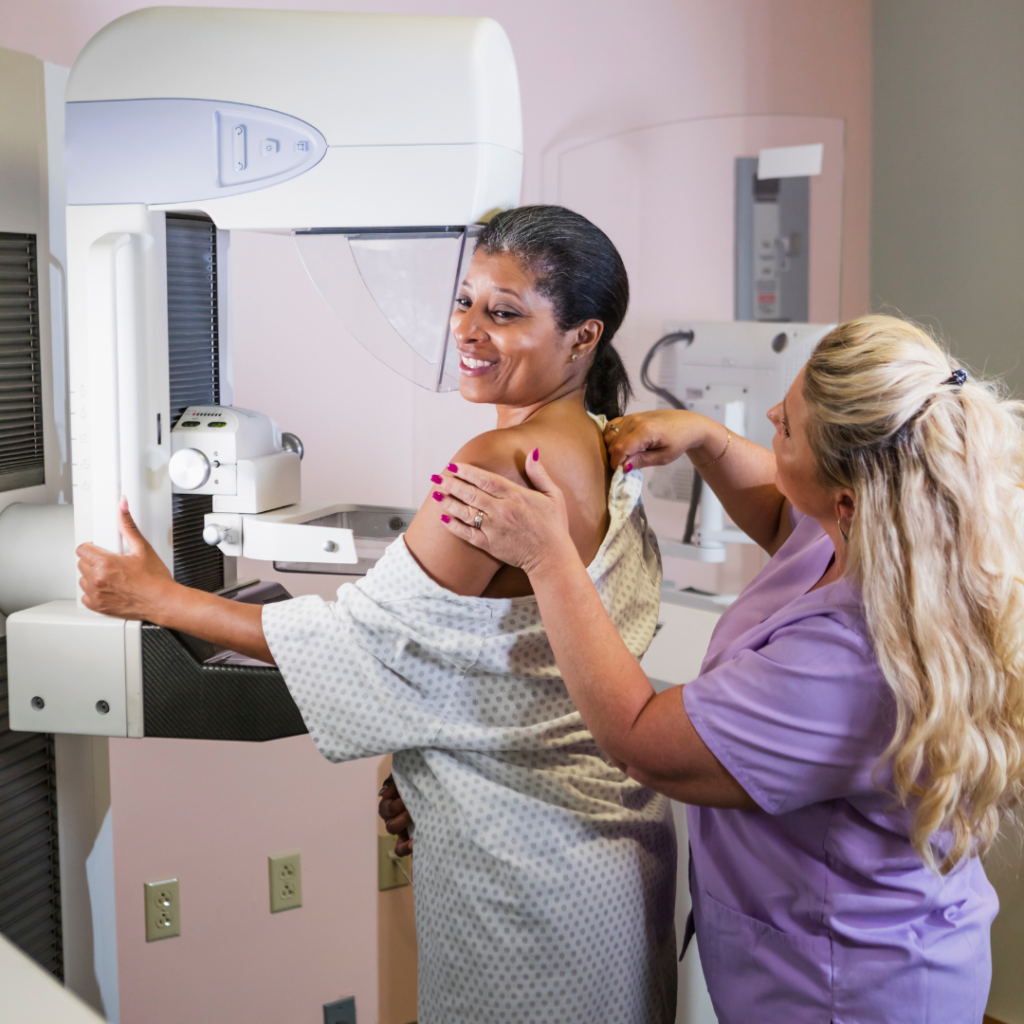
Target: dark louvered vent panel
29, 866
192, 312
21, 391
195, 377
196, 564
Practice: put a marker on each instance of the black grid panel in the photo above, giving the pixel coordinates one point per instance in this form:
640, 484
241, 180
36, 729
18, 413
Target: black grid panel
195, 377
29, 864
188, 700
196, 564
192, 313
21, 390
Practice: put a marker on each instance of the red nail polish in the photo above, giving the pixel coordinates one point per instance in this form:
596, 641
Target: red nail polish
446, 519
629, 466
452, 468
437, 496
435, 479
536, 454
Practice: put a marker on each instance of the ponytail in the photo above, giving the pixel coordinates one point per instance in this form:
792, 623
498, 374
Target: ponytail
936, 464
608, 386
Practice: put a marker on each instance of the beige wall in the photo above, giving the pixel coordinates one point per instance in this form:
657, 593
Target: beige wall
211, 813
947, 223
1003, 866
947, 212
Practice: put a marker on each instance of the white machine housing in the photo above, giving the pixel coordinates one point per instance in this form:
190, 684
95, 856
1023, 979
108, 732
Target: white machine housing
732, 372
410, 139
407, 120
282, 121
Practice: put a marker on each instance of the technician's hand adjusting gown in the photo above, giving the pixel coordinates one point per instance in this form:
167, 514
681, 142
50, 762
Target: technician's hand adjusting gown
545, 878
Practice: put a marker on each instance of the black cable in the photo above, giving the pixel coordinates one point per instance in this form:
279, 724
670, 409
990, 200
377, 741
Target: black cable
663, 342
691, 512
673, 401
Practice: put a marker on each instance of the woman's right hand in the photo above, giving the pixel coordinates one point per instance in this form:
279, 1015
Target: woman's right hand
653, 438
397, 818
128, 586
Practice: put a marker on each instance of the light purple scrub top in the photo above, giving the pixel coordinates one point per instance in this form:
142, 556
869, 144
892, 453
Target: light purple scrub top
815, 907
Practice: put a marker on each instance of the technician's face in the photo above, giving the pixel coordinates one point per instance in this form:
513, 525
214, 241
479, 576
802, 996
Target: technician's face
796, 469
511, 350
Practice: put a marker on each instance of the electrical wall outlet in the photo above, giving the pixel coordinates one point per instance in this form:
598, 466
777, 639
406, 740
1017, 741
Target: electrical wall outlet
163, 911
341, 1011
285, 881
389, 867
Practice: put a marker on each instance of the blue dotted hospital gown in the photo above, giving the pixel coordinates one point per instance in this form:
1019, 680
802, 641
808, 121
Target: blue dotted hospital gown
545, 879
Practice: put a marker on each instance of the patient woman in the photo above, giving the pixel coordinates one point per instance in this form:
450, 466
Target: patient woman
544, 876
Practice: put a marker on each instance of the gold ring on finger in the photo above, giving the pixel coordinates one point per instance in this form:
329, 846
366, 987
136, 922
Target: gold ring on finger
478, 522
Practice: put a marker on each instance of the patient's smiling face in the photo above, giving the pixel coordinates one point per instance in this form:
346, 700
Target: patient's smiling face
512, 352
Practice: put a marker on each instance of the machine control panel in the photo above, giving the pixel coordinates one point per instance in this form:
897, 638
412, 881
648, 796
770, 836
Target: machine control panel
238, 456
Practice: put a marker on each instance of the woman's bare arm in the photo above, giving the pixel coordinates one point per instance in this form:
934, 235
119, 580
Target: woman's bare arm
454, 564
743, 479
137, 585
576, 462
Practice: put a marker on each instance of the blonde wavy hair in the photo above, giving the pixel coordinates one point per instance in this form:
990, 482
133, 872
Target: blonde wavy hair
937, 548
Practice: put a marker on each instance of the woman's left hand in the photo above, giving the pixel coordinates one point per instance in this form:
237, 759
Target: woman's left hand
521, 527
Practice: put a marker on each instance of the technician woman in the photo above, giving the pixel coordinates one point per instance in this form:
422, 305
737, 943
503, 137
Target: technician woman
861, 706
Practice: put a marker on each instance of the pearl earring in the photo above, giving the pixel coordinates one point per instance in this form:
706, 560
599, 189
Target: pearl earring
574, 356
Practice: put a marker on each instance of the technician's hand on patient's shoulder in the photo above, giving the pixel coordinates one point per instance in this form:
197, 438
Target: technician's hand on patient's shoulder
125, 586
653, 438
520, 527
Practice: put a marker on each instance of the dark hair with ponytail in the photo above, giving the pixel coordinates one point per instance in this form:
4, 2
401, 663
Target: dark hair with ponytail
581, 272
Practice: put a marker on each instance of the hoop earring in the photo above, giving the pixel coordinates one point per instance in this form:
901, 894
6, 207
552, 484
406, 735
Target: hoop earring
839, 523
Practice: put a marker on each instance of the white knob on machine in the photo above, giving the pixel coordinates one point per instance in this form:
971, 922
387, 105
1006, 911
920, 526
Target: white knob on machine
214, 535
189, 469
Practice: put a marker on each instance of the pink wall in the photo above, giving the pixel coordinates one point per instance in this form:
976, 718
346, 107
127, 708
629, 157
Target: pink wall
211, 813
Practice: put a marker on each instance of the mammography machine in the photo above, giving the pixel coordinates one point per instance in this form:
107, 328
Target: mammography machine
733, 372
183, 125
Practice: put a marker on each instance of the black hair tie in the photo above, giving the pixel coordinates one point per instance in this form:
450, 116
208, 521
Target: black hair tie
958, 379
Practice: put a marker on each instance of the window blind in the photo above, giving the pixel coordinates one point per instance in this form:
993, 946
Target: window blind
21, 406
29, 864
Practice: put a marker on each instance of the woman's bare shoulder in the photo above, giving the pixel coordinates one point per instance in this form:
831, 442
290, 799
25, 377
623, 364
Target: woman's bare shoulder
461, 567
500, 451
445, 558
567, 446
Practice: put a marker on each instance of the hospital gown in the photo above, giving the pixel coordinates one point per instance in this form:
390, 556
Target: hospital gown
545, 878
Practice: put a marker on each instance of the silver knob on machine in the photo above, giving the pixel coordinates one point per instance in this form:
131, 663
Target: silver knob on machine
189, 469
291, 443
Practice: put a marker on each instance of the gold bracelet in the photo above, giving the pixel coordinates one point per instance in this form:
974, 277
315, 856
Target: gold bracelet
704, 465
